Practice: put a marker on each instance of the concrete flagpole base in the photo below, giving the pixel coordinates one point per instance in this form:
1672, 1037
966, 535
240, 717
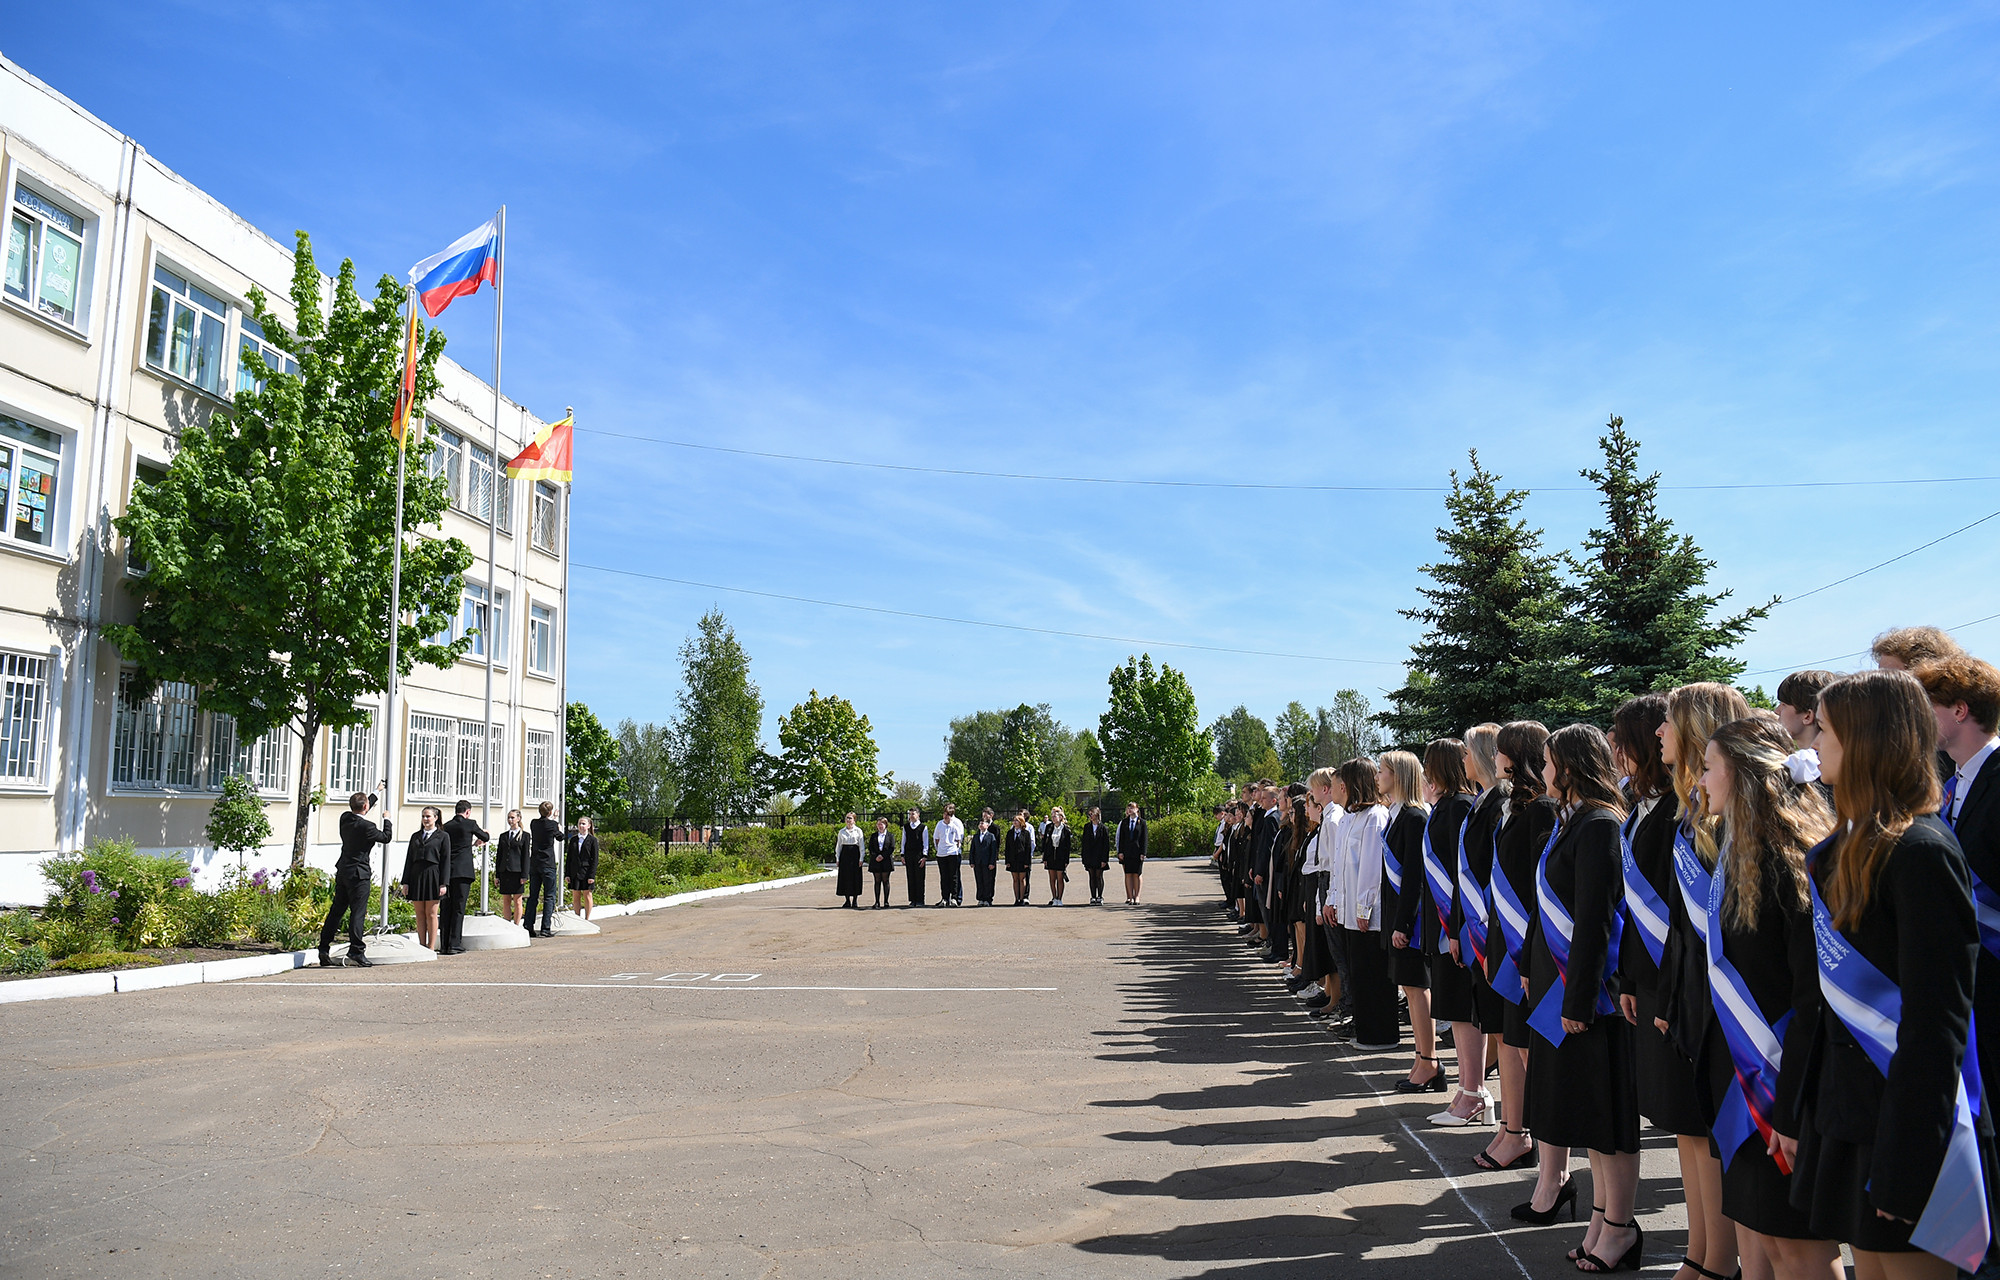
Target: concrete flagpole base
391, 948
491, 933
570, 925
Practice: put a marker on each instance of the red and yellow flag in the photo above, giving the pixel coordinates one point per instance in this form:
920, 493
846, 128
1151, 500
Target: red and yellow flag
548, 457
406, 395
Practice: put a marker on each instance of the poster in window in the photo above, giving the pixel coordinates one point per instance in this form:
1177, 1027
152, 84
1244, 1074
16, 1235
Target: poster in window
61, 258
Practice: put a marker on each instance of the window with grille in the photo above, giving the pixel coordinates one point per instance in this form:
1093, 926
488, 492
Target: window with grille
156, 741
24, 710
432, 756
351, 760
538, 778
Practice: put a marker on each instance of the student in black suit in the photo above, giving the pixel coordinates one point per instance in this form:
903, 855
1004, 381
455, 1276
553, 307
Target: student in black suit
1965, 699
1095, 849
464, 833
580, 867
916, 846
1581, 1088
1057, 843
424, 864
984, 853
1132, 850
352, 876
510, 866
1895, 887
1765, 919
1399, 776
881, 859
543, 833
1020, 855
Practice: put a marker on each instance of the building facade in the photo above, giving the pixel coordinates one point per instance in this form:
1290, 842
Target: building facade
122, 320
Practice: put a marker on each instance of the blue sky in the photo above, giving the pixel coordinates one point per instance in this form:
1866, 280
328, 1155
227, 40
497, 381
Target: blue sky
1319, 243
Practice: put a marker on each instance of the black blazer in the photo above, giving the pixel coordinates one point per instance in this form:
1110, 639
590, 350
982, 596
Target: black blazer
1480, 837
881, 849
1522, 837
1920, 931
983, 847
1020, 846
542, 836
463, 831
511, 853
1097, 846
427, 849
1653, 854
1587, 877
580, 857
1406, 841
1132, 838
1978, 831
1057, 844
358, 838
1443, 827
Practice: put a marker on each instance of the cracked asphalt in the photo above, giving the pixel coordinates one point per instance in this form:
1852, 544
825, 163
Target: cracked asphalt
757, 1086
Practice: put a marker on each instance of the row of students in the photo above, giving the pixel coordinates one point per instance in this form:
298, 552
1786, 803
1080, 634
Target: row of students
1763, 933
987, 848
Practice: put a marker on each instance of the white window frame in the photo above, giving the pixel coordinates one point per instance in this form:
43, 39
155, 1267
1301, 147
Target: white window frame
43, 192
27, 715
549, 496
487, 627
251, 334
538, 758
447, 458
140, 462
469, 756
266, 761
548, 627
430, 756
157, 745
55, 510
350, 759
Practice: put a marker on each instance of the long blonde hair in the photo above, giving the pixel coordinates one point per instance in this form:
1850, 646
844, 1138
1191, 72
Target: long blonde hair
1409, 775
1694, 713
1888, 775
1768, 816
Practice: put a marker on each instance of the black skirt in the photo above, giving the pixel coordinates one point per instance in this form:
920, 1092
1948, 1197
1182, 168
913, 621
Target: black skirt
1584, 1092
1020, 862
1133, 863
579, 883
510, 883
847, 884
1489, 1011
1451, 988
1666, 1080
1754, 1193
423, 885
1514, 1028
1407, 967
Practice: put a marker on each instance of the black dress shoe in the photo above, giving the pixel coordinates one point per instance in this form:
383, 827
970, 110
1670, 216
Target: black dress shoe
1322, 1002
358, 962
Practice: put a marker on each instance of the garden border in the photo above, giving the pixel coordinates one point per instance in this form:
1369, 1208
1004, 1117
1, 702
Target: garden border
64, 986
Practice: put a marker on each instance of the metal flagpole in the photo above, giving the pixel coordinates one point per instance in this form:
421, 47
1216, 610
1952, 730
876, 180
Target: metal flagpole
490, 641
562, 649
395, 619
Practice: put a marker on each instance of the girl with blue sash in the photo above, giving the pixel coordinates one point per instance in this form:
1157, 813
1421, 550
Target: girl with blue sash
1581, 1089
1448, 786
1763, 982
1694, 713
1527, 821
1894, 1153
1473, 932
1400, 777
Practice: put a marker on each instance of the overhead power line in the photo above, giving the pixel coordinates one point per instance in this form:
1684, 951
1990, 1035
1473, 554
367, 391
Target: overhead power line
1892, 559
1143, 482
979, 622
1842, 657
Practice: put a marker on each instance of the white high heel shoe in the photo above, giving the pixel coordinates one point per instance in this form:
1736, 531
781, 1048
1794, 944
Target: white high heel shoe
1448, 1120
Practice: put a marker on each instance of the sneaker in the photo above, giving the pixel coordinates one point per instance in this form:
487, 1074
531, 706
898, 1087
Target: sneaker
1321, 1012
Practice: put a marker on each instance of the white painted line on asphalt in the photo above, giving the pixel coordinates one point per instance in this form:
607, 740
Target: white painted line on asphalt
610, 986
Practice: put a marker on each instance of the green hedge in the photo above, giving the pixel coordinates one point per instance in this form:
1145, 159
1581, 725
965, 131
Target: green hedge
1180, 835
632, 865
796, 842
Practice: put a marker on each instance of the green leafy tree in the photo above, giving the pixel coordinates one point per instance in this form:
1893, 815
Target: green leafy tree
592, 784
718, 735
907, 795
1241, 740
974, 741
1267, 766
237, 822
956, 784
1494, 623
1150, 736
829, 758
1642, 619
646, 763
267, 546
1294, 734
1346, 730
1210, 790
1757, 698
1034, 750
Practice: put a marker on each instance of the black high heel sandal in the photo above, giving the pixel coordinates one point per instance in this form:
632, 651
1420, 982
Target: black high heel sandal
1566, 1198
1630, 1260
1576, 1254
1531, 1155
1436, 1084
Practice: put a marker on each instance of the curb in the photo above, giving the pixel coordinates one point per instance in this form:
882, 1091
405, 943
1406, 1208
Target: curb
203, 971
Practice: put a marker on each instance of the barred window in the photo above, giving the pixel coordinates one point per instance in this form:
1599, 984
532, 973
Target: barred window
351, 760
24, 710
431, 756
539, 776
265, 761
156, 741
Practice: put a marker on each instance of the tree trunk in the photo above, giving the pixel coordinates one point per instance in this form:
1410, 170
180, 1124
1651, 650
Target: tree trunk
308, 739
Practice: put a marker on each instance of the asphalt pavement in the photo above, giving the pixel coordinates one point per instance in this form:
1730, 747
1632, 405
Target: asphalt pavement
757, 1086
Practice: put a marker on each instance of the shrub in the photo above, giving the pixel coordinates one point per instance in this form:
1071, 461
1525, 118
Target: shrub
797, 843
63, 938
1180, 835
113, 889
281, 927
31, 958
87, 961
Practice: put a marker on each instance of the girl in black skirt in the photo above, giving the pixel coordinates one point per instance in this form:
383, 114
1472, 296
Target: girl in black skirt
1526, 824
423, 873
847, 863
1764, 917
1400, 778
1448, 787
881, 860
1020, 856
1871, 1150
1694, 713
1475, 867
1581, 1089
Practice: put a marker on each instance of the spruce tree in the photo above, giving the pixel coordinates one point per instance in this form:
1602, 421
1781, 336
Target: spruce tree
1640, 618
1493, 623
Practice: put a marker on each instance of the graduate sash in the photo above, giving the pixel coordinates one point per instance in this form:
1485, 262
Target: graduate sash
1558, 931
1392, 866
1756, 1047
1694, 880
1644, 908
1512, 914
1473, 929
1953, 1225
1440, 884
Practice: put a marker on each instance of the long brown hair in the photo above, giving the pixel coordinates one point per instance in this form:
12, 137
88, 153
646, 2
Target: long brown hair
1769, 816
1694, 713
1444, 765
1635, 729
1524, 743
1887, 776
1363, 791
1584, 772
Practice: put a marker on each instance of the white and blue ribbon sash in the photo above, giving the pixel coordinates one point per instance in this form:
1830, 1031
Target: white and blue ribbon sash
1472, 931
1440, 884
1559, 931
1512, 914
1954, 1223
1986, 904
1694, 880
1392, 866
1756, 1047
1644, 907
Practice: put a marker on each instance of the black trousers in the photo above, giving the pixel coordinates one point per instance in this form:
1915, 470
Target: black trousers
950, 887
350, 898
913, 871
982, 880
542, 888
1096, 880
451, 914
1373, 990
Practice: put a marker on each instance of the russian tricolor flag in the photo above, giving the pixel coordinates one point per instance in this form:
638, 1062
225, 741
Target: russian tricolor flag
471, 260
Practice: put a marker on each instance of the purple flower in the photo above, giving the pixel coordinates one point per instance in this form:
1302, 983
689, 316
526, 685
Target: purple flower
182, 883
115, 920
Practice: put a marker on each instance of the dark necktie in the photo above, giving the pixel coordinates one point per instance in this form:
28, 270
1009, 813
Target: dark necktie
1950, 791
